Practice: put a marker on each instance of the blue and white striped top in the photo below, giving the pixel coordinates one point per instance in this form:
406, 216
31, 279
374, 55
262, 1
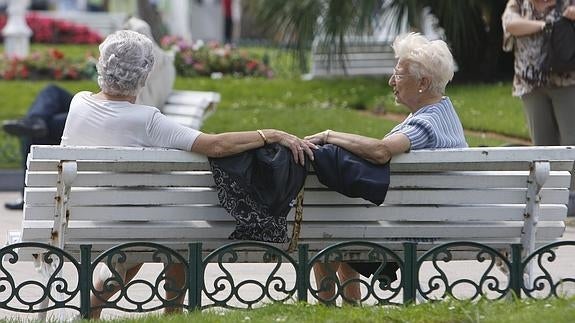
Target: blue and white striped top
433, 126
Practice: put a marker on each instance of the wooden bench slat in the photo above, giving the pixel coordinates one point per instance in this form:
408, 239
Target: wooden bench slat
190, 195
193, 97
184, 110
206, 229
403, 180
188, 121
122, 166
509, 212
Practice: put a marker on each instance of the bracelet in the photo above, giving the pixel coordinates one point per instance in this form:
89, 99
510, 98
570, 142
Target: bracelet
326, 136
263, 136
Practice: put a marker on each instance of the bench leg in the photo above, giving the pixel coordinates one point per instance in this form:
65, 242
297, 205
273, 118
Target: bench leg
46, 271
538, 175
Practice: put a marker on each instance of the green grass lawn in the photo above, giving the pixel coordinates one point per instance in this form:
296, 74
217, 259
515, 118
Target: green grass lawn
300, 107
544, 311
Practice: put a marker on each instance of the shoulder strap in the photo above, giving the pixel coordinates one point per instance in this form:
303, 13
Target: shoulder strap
558, 9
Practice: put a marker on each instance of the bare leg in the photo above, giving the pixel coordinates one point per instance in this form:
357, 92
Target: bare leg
103, 297
351, 291
177, 274
327, 286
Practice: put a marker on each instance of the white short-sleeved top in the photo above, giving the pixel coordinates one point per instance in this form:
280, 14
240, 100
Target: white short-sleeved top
96, 122
433, 126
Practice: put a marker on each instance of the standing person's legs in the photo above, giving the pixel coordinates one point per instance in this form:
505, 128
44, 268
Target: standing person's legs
541, 118
563, 100
564, 106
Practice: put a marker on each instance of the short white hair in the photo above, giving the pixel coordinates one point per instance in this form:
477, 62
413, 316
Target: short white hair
426, 58
126, 58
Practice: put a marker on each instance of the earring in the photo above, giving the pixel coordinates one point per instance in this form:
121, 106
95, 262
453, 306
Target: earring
420, 90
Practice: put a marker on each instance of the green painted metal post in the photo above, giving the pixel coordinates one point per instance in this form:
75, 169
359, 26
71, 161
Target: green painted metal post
85, 280
516, 274
195, 276
302, 272
409, 272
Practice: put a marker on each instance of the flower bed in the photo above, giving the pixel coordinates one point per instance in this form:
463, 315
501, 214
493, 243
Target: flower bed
56, 31
214, 59
46, 65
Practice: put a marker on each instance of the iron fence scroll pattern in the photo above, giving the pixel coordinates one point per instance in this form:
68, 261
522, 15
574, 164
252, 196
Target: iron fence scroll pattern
380, 285
546, 284
225, 287
217, 280
57, 289
115, 267
488, 283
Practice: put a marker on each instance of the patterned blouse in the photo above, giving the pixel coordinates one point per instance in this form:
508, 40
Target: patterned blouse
527, 50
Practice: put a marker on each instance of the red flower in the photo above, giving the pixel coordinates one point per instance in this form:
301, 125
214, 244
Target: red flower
251, 65
56, 54
24, 73
72, 74
57, 74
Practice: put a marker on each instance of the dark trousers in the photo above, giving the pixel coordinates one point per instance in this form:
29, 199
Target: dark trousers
51, 105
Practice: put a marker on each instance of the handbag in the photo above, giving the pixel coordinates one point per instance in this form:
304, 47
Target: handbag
558, 49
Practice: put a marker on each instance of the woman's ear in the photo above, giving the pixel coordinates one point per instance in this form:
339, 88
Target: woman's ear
424, 84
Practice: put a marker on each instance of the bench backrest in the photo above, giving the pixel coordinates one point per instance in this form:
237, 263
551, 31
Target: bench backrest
367, 58
191, 108
118, 195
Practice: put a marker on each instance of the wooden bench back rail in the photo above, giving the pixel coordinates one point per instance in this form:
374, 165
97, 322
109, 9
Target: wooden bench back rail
191, 108
107, 196
367, 58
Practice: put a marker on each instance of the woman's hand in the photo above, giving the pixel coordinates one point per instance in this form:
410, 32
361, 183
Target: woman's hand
569, 13
319, 138
298, 146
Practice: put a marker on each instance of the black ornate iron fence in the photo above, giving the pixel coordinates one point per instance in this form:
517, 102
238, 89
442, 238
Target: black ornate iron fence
272, 275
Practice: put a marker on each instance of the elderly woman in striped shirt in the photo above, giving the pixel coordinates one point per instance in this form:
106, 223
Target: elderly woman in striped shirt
423, 70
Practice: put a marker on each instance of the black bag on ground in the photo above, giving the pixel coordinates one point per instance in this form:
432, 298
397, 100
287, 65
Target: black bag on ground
558, 49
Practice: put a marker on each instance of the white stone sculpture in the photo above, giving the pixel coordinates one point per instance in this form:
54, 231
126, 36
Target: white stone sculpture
16, 32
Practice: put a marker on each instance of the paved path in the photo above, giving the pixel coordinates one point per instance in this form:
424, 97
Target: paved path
11, 221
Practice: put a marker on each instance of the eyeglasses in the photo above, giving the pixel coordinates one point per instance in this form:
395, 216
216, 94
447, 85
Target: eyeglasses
398, 77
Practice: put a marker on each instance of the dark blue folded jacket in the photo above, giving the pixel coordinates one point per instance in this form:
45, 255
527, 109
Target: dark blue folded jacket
350, 175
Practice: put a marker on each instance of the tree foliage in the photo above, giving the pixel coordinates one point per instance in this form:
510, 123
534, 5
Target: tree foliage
472, 27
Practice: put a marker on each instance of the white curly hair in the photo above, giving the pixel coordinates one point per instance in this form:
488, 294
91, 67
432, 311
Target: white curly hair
427, 58
126, 58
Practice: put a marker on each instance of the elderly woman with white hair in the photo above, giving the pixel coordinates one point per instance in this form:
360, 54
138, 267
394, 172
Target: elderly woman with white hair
112, 117
419, 79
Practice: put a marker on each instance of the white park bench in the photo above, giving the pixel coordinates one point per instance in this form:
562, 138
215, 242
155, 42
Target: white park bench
108, 196
361, 58
191, 108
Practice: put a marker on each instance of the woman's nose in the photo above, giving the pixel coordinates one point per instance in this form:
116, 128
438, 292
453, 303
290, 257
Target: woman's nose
391, 81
